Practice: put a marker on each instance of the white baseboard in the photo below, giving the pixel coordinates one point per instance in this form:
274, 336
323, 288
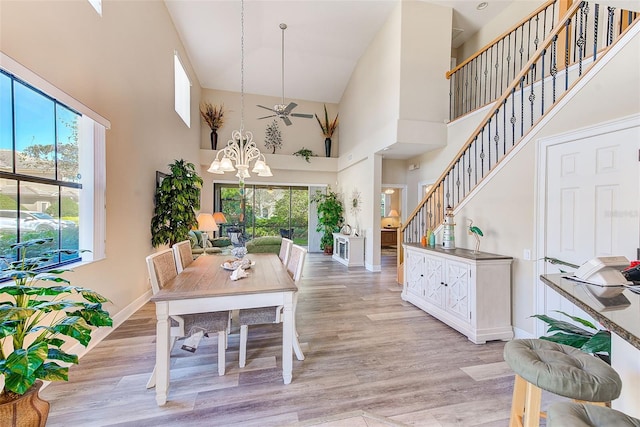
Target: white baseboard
101, 333
522, 334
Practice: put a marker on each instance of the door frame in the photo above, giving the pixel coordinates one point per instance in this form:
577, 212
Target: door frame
540, 220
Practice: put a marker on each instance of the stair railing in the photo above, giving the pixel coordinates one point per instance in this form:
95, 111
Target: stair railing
560, 61
481, 78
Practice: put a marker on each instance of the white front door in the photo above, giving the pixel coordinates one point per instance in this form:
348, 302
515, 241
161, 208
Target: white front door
592, 201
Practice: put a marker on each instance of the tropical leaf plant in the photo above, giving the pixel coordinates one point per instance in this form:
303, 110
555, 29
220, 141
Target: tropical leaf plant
39, 308
177, 198
330, 210
591, 340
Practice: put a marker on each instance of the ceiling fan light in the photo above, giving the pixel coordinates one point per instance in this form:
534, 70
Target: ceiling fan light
225, 165
266, 171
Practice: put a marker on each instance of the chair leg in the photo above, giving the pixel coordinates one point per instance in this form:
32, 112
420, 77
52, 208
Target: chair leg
222, 343
517, 402
244, 332
532, 406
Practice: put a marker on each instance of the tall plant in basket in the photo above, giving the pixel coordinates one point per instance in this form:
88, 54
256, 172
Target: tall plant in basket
38, 309
330, 210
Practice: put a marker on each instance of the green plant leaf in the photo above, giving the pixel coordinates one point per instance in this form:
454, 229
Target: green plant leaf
579, 320
21, 365
51, 371
572, 340
600, 342
560, 325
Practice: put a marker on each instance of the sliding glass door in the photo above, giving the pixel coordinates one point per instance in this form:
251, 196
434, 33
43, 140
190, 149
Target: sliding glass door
262, 210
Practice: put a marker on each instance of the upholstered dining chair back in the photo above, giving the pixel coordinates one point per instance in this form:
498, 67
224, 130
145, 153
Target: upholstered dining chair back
295, 262
183, 255
162, 268
285, 250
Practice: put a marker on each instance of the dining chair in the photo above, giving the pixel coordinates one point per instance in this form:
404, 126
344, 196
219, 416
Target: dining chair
285, 250
162, 268
183, 255
266, 315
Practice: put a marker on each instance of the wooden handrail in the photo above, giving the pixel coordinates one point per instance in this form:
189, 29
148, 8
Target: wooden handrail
488, 46
516, 81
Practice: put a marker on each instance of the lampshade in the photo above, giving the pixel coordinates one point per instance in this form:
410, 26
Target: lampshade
206, 222
393, 213
219, 218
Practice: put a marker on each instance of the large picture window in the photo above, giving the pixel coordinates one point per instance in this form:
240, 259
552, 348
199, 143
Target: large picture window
265, 210
48, 173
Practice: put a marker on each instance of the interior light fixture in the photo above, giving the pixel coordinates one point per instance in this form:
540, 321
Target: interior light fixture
482, 5
389, 191
241, 150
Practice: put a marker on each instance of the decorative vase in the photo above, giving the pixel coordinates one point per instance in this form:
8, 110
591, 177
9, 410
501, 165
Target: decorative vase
214, 139
327, 147
26, 411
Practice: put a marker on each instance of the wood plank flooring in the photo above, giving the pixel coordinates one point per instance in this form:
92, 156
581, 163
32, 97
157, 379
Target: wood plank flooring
366, 350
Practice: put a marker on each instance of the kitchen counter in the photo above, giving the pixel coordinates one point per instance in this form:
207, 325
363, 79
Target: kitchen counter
619, 313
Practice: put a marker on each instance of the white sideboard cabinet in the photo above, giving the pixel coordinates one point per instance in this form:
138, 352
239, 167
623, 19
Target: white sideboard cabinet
471, 292
349, 250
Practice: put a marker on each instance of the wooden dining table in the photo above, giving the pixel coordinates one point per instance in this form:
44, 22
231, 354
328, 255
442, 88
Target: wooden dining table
205, 286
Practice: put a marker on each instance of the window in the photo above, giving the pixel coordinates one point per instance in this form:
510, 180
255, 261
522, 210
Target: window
265, 210
51, 169
183, 91
97, 5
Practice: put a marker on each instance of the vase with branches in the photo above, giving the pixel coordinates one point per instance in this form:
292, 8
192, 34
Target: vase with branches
328, 128
213, 115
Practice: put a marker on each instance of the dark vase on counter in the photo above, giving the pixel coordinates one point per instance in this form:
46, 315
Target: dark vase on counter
214, 139
327, 147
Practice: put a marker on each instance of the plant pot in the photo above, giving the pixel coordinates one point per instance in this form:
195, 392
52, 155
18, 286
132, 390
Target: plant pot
214, 139
27, 410
327, 147
328, 250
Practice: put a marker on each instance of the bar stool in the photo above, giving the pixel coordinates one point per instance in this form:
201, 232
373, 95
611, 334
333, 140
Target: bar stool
569, 414
557, 368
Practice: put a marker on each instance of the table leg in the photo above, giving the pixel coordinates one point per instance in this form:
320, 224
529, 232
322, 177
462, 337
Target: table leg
163, 331
287, 338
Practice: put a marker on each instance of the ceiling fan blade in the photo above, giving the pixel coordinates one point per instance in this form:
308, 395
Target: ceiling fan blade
286, 120
267, 108
266, 117
306, 116
290, 107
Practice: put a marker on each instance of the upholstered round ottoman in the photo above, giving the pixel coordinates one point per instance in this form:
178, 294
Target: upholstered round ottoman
568, 414
557, 368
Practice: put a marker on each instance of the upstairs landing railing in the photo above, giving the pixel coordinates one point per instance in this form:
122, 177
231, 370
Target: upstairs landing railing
587, 31
484, 76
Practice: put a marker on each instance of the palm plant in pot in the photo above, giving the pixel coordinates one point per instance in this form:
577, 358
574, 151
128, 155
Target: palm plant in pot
330, 210
35, 318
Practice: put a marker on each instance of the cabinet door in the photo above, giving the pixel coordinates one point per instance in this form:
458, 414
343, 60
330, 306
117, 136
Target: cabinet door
434, 281
457, 295
415, 275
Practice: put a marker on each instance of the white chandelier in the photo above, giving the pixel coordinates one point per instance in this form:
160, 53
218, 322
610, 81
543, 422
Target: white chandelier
240, 150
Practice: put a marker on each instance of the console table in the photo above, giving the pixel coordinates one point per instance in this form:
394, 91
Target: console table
348, 250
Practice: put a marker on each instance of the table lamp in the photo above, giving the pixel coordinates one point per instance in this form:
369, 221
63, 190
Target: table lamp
219, 218
393, 214
206, 223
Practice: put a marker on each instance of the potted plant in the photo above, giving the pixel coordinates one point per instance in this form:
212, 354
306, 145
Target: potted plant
328, 128
34, 319
330, 210
177, 197
213, 115
304, 152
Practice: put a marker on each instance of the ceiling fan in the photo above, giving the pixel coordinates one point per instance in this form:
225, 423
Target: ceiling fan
284, 110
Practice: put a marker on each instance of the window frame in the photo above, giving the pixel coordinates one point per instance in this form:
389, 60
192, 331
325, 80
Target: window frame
92, 160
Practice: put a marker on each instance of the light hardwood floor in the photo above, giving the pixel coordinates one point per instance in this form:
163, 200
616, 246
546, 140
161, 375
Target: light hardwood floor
366, 350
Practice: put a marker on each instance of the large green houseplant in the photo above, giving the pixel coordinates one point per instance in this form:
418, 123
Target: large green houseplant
330, 210
177, 198
38, 308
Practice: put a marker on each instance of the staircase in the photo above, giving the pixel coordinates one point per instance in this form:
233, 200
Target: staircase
569, 48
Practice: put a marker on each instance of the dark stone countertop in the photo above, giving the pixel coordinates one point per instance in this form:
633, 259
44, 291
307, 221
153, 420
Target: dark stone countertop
618, 313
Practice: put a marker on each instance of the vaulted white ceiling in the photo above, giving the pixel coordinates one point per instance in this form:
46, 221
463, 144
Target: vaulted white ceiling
323, 41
